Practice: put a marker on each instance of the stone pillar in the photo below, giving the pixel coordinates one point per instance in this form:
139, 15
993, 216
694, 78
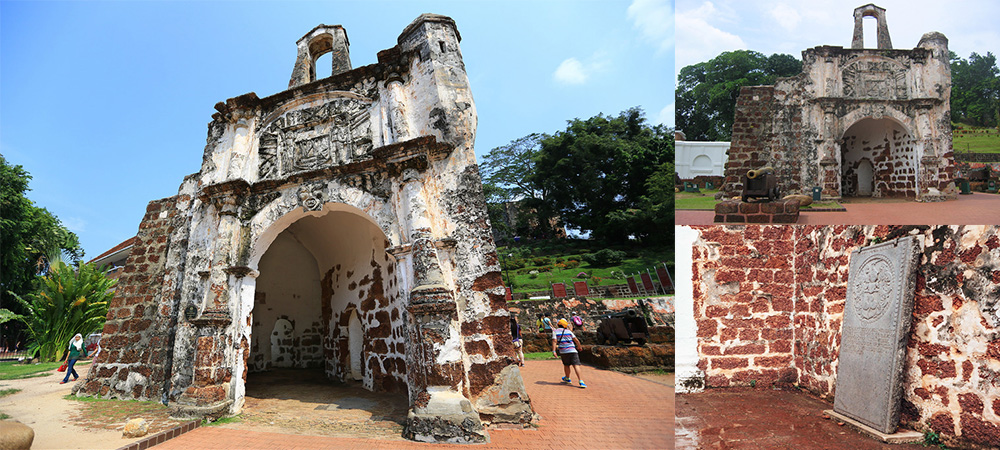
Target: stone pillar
209, 394
870, 10
830, 161
439, 409
399, 128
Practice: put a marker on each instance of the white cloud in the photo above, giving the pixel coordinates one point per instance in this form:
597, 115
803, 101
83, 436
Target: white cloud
655, 20
666, 115
571, 71
75, 224
786, 16
700, 40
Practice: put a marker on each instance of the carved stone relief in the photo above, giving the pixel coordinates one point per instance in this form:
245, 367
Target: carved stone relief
336, 133
311, 196
875, 79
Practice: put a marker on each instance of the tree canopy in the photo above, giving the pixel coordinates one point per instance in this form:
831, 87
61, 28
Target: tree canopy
707, 91
611, 176
975, 90
31, 238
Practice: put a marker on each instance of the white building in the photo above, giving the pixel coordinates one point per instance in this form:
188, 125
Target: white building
694, 158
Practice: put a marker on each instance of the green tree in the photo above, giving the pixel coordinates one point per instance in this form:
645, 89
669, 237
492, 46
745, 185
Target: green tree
507, 177
595, 174
975, 90
30, 238
69, 301
707, 91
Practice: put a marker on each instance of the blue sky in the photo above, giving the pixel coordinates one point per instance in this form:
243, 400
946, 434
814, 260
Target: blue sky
706, 28
106, 103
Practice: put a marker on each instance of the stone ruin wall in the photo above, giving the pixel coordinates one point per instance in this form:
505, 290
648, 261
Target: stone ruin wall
801, 125
769, 302
136, 336
391, 143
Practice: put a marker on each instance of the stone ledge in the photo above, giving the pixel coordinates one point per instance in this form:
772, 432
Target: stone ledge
162, 436
899, 437
735, 211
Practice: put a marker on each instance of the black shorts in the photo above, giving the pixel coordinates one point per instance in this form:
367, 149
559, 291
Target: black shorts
570, 359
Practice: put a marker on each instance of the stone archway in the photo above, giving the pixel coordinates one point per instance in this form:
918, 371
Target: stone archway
328, 278
888, 149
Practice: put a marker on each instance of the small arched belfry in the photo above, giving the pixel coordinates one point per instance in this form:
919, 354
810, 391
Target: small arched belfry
338, 225
856, 122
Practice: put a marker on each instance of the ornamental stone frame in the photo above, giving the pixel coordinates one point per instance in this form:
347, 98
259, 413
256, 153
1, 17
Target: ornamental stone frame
386, 149
881, 108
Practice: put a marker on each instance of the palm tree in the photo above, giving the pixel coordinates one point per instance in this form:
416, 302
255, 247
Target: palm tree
67, 302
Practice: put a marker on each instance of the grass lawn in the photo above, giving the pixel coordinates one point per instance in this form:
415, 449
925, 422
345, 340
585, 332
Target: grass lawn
706, 201
12, 370
976, 140
561, 260
539, 356
690, 200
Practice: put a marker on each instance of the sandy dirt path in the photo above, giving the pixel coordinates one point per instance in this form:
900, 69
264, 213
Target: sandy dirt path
41, 406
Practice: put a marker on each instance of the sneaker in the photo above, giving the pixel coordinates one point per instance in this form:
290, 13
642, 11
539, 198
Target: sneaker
62, 382
584, 386
566, 380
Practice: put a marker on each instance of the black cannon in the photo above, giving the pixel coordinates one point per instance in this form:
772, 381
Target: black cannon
760, 183
625, 326
979, 175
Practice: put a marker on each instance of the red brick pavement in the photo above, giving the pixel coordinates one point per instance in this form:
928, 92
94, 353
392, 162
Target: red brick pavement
744, 419
616, 411
975, 209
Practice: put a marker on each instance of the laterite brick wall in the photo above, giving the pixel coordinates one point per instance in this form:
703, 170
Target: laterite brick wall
769, 301
136, 334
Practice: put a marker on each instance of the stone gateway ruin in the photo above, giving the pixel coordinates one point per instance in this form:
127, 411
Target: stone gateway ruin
339, 224
857, 122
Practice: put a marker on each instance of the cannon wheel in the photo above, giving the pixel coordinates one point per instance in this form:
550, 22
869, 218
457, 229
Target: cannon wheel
612, 339
640, 341
600, 338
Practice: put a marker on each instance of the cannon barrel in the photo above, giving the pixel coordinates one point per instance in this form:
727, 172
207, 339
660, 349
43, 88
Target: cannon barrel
751, 174
625, 313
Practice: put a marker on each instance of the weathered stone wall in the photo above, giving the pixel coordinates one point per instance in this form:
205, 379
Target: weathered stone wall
661, 310
373, 169
752, 134
802, 125
769, 302
135, 359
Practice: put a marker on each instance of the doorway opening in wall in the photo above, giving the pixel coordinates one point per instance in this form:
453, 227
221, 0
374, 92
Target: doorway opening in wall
327, 337
878, 161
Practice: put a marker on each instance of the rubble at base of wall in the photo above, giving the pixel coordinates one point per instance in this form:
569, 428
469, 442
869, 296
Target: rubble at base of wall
629, 359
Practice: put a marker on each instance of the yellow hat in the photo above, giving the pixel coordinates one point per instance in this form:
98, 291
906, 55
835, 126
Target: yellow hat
563, 323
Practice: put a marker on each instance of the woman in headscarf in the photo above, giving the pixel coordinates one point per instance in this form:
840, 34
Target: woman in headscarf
76, 351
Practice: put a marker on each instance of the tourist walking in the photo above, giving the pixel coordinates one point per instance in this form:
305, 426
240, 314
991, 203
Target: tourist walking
76, 351
566, 346
547, 322
515, 332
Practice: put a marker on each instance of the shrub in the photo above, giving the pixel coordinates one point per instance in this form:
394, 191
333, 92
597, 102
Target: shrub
572, 264
604, 258
540, 261
582, 275
515, 263
67, 302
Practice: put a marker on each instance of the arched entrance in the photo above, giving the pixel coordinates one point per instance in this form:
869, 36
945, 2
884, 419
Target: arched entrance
878, 159
327, 300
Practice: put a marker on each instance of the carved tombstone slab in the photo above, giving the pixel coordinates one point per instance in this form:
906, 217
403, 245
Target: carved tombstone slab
876, 326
